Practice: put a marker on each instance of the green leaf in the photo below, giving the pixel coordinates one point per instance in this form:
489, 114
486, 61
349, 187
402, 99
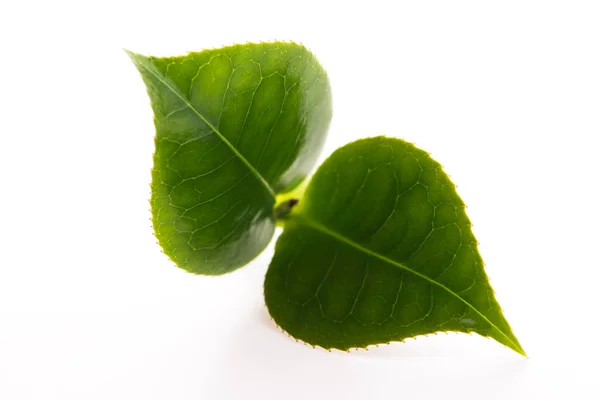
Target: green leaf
380, 249
234, 127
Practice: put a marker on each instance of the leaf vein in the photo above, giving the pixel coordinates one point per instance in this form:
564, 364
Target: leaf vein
177, 93
325, 230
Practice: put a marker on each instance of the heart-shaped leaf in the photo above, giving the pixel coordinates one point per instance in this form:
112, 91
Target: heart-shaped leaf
234, 127
380, 249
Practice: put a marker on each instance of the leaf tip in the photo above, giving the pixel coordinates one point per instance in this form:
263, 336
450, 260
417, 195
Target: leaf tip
131, 54
516, 346
137, 58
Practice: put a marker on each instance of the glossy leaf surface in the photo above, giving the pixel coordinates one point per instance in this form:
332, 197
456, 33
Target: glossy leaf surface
380, 249
234, 127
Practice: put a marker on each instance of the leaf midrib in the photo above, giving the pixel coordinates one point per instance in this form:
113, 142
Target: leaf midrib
142, 61
323, 229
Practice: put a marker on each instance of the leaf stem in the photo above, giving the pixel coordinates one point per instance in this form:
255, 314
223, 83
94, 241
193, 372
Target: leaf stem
285, 202
282, 210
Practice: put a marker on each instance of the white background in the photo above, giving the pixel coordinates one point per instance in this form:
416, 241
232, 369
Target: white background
506, 95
